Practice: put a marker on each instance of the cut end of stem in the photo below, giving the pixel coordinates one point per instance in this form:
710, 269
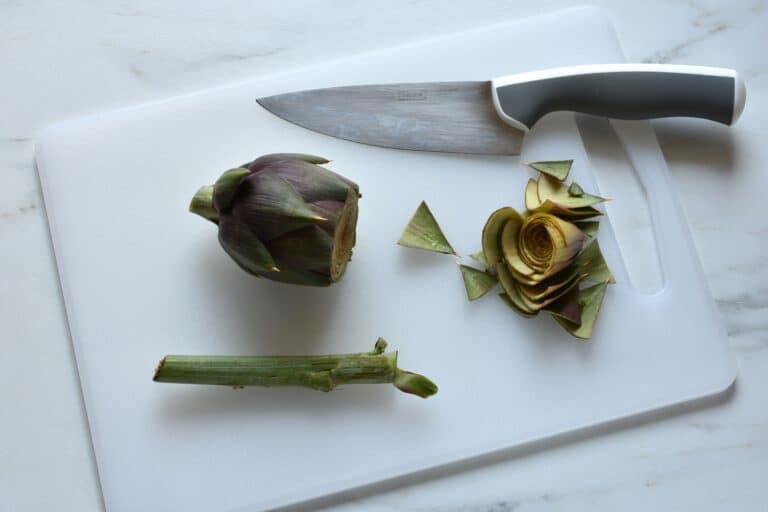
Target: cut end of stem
414, 384
158, 370
202, 204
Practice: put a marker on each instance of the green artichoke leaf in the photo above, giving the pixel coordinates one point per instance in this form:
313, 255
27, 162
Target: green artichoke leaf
225, 188
583, 213
380, 346
558, 169
555, 191
593, 266
491, 237
588, 227
590, 300
480, 258
550, 206
423, 232
476, 282
413, 383
202, 204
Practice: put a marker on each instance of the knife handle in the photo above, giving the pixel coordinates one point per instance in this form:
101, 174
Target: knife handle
621, 91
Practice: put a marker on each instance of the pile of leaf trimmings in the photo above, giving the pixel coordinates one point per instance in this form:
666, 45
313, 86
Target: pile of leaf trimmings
546, 257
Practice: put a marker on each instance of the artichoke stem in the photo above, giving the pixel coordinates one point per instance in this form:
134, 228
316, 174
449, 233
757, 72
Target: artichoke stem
321, 373
202, 204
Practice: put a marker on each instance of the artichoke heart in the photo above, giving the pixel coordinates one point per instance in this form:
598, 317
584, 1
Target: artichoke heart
545, 255
284, 217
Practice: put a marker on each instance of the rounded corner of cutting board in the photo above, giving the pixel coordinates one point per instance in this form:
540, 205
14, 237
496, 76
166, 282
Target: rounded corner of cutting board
727, 383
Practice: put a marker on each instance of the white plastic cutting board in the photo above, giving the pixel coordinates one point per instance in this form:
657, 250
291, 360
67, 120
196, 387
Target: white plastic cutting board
143, 278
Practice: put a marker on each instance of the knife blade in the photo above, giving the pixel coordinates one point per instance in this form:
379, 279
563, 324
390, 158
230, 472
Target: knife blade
492, 117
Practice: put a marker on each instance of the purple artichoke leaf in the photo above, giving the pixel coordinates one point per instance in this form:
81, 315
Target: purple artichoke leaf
312, 182
243, 246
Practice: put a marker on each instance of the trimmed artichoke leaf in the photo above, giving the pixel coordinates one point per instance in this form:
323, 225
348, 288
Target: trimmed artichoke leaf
510, 249
244, 247
530, 280
491, 237
480, 258
423, 232
225, 188
592, 264
567, 306
588, 227
476, 282
543, 302
558, 169
583, 213
560, 194
514, 306
550, 286
511, 290
586, 212
590, 300
532, 195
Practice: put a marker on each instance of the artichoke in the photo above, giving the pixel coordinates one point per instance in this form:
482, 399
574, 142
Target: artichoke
533, 255
542, 256
284, 217
546, 258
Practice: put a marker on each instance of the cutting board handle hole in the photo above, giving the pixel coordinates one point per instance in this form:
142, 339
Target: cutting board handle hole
629, 211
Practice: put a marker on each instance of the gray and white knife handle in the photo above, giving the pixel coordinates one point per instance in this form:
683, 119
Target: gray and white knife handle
621, 91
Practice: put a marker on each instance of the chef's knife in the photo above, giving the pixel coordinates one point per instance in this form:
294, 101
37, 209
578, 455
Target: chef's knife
492, 117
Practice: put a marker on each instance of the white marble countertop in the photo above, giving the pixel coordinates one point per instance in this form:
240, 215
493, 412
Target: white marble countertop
65, 59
